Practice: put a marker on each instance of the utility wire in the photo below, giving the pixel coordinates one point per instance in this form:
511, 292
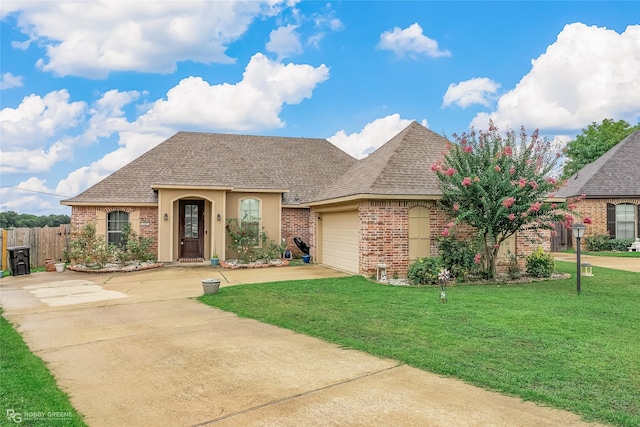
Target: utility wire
34, 191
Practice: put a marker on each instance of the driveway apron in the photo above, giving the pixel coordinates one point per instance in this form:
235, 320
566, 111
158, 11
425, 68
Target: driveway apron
136, 349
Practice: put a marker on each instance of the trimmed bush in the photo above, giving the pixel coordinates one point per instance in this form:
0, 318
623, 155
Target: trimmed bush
540, 264
425, 271
602, 242
599, 242
620, 244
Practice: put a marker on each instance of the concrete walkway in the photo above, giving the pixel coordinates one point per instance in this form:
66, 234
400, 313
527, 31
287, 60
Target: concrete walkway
617, 263
136, 349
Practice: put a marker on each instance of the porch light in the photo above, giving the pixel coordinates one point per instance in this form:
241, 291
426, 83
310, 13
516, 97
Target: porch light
219, 217
166, 216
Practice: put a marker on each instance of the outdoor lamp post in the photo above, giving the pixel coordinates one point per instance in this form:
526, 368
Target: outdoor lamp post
578, 231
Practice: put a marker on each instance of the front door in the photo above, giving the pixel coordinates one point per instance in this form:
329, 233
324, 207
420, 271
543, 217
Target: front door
191, 228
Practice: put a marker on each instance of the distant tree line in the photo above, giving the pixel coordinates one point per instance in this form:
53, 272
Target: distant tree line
13, 219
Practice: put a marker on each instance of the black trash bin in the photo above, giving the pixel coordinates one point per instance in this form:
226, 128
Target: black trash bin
19, 260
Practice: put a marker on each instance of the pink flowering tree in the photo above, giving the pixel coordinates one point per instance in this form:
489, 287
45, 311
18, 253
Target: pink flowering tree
499, 184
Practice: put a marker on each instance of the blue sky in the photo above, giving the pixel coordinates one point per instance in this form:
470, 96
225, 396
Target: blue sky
86, 87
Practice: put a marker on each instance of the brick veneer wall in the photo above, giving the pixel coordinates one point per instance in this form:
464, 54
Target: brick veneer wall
295, 223
596, 209
384, 236
83, 215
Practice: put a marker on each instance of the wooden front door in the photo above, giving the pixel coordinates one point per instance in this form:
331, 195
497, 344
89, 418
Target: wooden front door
191, 228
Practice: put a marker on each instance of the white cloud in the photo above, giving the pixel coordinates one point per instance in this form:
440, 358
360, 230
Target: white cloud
252, 104
37, 119
284, 41
411, 42
90, 39
588, 74
371, 137
9, 80
474, 91
29, 196
41, 132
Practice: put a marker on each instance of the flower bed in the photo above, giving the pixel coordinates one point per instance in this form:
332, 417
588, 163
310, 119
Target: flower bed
235, 264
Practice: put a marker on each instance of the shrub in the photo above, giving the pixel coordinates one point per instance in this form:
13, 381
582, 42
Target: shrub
243, 238
620, 244
424, 271
273, 251
599, 242
540, 264
457, 256
89, 249
602, 242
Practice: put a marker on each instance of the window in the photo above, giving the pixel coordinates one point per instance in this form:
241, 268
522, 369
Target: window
191, 221
250, 217
116, 220
625, 221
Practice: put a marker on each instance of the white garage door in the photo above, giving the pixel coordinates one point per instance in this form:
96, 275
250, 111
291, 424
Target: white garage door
340, 240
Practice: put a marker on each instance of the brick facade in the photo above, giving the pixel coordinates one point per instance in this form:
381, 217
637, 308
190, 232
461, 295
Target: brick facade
295, 223
384, 236
147, 219
596, 209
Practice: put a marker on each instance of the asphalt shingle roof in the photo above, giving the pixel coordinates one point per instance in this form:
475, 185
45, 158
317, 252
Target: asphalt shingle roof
402, 166
615, 174
304, 166
310, 169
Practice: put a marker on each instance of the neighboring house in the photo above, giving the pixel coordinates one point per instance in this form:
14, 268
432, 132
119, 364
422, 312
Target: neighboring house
353, 213
611, 189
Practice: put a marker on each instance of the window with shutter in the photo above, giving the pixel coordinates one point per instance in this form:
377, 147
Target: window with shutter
611, 220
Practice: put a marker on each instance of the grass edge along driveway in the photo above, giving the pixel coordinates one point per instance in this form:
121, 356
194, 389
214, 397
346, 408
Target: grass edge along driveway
538, 341
28, 392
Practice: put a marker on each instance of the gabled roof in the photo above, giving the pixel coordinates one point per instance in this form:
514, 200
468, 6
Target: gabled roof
402, 166
615, 174
303, 166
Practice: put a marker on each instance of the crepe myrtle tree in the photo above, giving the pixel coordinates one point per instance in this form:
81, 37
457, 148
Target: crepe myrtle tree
499, 184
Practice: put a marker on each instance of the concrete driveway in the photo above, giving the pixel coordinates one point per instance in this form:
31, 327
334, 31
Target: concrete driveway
136, 349
617, 263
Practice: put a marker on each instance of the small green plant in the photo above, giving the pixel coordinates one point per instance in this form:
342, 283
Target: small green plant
513, 270
425, 271
273, 251
540, 264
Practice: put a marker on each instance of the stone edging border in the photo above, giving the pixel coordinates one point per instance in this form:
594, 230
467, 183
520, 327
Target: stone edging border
80, 269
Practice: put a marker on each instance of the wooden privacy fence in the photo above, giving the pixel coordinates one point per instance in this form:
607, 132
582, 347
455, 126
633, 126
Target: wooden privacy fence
45, 243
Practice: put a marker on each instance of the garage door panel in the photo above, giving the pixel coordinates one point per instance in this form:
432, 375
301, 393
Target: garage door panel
340, 246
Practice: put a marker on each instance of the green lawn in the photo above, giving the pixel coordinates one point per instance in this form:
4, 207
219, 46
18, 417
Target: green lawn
28, 392
538, 341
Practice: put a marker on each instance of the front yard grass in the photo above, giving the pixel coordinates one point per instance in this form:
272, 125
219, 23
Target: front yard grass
29, 395
538, 341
